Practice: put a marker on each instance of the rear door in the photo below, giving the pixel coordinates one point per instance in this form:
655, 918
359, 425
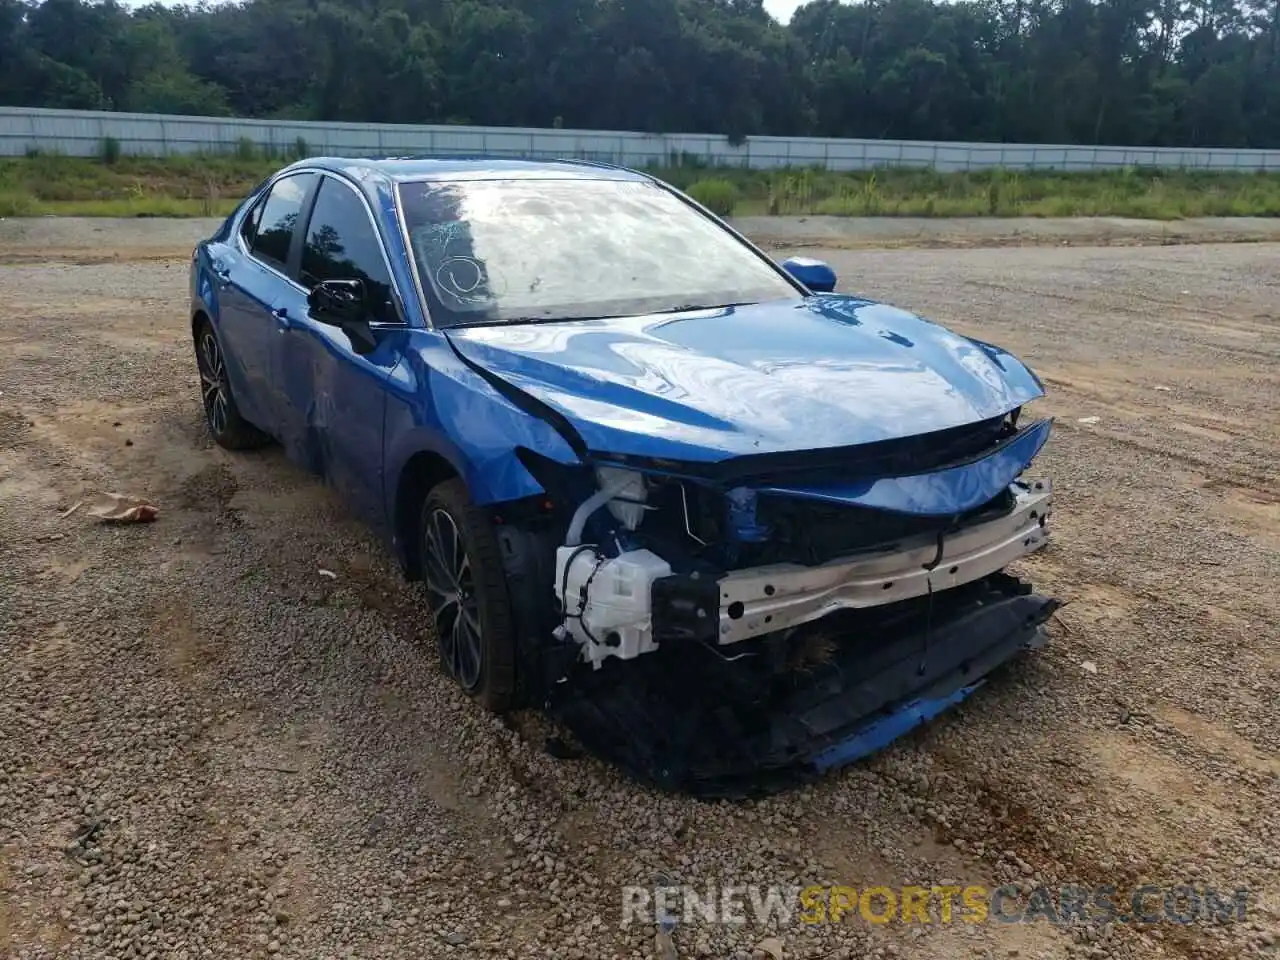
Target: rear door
254, 278
336, 395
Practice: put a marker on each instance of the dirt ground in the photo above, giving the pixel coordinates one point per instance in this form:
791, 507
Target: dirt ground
210, 748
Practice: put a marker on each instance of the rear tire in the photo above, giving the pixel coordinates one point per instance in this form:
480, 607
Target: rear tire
467, 590
228, 428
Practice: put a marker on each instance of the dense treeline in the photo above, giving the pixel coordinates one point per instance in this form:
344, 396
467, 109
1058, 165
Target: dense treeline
1157, 72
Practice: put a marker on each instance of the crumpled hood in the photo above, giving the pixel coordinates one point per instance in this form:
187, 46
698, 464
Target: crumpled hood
829, 371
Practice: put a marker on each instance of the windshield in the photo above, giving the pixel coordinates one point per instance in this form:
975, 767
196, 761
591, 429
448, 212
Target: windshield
510, 251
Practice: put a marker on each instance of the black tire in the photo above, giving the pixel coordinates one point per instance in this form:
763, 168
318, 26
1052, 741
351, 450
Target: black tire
228, 428
467, 592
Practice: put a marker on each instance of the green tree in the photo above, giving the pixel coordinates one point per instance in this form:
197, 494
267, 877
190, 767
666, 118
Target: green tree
1161, 72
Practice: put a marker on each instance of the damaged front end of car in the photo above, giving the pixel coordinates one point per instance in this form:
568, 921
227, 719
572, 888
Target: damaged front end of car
722, 627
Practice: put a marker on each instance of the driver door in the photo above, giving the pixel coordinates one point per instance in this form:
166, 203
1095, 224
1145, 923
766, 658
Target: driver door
335, 391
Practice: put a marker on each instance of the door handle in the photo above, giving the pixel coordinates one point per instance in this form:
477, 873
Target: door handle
282, 317
221, 271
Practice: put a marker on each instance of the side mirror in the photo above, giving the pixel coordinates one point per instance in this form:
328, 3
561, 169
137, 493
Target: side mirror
814, 274
344, 304
338, 302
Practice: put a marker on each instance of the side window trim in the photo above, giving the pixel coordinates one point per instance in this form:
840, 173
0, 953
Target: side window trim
293, 267
309, 208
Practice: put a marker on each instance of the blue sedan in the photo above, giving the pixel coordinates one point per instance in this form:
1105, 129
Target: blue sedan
623, 449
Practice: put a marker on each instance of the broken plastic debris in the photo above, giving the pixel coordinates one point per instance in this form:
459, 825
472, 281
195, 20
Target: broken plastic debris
1163, 389
771, 946
327, 573
1088, 419
118, 508
1089, 666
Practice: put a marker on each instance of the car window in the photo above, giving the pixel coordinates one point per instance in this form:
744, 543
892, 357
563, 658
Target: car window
527, 250
342, 244
276, 218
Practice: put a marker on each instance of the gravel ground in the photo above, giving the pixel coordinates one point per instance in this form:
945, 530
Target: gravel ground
861, 232
210, 749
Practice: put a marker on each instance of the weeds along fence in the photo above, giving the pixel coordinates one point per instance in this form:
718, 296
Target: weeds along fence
86, 133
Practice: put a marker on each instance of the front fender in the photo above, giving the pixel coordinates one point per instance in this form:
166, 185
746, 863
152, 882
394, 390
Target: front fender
439, 405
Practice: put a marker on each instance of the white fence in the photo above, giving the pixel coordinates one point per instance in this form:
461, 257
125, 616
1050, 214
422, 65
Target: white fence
83, 133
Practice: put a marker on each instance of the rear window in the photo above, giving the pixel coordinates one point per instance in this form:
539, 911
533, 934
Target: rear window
269, 227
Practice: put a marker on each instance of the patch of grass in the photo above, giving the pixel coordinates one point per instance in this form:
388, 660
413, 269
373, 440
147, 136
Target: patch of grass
716, 194
210, 185
898, 192
186, 186
14, 204
142, 207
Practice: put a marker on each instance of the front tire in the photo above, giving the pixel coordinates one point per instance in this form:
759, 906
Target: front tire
228, 428
467, 591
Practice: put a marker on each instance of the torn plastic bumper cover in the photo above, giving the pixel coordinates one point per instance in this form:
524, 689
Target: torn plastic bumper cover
699, 723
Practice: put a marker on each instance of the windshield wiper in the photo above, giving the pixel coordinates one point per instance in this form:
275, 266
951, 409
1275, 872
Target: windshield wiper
682, 308
686, 307
515, 320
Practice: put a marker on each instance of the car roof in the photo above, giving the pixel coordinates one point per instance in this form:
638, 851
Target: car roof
401, 169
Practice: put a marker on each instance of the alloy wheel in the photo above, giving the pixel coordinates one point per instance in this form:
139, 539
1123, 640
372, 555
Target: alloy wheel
451, 590
213, 383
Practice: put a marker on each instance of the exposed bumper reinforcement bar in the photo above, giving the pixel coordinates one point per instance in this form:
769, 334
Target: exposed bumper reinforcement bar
767, 599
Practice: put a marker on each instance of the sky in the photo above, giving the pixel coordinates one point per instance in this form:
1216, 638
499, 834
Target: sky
782, 9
